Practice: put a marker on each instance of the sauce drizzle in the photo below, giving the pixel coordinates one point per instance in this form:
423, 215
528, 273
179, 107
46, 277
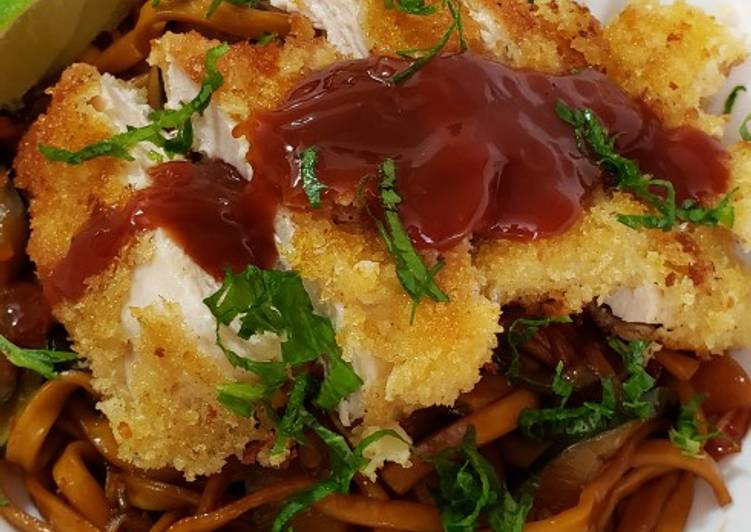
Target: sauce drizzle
478, 146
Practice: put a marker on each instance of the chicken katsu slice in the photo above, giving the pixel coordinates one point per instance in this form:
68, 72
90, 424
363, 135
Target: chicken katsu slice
142, 326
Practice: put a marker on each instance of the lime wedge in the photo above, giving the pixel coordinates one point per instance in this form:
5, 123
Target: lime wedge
40, 37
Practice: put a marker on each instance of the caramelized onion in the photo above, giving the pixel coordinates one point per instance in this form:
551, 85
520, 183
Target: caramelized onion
725, 383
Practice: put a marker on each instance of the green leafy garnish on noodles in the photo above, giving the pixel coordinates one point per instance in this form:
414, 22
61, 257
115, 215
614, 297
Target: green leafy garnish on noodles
523, 330
42, 361
591, 133
469, 489
639, 382
344, 463
686, 434
275, 301
420, 57
415, 277
170, 129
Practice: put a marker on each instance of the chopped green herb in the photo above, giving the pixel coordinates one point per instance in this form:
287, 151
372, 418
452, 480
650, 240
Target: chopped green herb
309, 177
41, 361
732, 97
686, 435
266, 39
569, 425
512, 515
561, 386
216, 3
468, 488
3, 502
176, 121
745, 133
156, 3
639, 382
276, 302
422, 56
521, 331
415, 277
591, 133
241, 398
412, 7
345, 462
290, 426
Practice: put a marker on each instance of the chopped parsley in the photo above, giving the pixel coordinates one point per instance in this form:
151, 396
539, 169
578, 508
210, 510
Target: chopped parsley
241, 398
266, 38
411, 7
469, 488
216, 3
732, 97
521, 331
591, 133
345, 462
309, 176
3, 502
276, 301
572, 424
686, 435
639, 382
415, 277
171, 130
420, 57
41, 361
745, 133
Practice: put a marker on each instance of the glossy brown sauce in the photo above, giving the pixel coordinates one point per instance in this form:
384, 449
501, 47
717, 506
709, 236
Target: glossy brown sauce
478, 146
206, 207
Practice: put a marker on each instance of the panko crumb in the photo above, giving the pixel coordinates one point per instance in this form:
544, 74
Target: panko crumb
672, 57
159, 388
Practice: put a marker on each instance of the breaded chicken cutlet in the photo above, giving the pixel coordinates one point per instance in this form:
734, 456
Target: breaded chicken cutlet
149, 340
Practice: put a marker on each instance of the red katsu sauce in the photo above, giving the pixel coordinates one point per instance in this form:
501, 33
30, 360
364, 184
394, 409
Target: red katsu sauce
206, 208
478, 146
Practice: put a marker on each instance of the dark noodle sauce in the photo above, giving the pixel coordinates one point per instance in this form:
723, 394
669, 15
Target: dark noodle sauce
478, 146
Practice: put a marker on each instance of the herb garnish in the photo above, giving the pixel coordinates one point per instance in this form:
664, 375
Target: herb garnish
732, 97
639, 382
686, 435
411, 7
241, 398
309, 176
345, 461
216, 3
420, 57
469, 487
521, 331
276, 301
415, 277
41, 361
265, 39
176, 121
3, 502
571, 424
591, 133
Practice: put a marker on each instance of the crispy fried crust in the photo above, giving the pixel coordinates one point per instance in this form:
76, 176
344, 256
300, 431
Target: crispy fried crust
672, 58
159, 388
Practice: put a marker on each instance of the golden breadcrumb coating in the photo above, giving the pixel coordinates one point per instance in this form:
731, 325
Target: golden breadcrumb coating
158, 389
428, 362
159, 392
741, 181
704, 291
672, 57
